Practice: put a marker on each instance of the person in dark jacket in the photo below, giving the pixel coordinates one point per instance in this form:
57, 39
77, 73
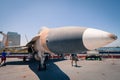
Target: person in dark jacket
74, 58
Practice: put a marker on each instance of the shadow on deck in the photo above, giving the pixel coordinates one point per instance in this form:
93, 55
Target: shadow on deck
53, 72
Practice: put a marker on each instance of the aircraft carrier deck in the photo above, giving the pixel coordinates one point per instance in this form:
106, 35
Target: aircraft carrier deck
16, 69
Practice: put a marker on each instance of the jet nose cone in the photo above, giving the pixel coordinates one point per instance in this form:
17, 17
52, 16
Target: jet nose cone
94, 38
112, 36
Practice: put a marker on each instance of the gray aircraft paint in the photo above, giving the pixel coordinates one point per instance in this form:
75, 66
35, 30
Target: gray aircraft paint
66, 40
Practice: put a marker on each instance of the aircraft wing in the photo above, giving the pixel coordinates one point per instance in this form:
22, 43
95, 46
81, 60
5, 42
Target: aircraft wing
33, 40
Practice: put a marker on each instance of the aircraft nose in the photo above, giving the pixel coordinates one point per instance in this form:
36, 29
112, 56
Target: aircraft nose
94, 38
112, 36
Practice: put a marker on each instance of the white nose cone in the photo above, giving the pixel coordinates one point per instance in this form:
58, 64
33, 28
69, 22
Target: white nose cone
94, 38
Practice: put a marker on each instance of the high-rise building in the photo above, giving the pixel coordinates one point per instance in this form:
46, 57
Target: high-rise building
13, 39
1, 44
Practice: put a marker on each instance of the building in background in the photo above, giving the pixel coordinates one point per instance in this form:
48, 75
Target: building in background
1, 45
13, 39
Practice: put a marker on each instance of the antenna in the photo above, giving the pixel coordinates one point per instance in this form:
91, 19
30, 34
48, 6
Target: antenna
30, 46
26, 38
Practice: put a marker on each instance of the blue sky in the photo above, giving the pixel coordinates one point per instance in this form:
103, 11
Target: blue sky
27, 16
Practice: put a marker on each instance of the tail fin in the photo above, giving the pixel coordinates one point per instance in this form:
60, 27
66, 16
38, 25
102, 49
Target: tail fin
5, 39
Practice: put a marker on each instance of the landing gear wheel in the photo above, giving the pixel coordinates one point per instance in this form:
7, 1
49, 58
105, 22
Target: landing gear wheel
42, 68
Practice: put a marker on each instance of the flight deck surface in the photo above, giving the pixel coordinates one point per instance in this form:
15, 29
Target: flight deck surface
16, 69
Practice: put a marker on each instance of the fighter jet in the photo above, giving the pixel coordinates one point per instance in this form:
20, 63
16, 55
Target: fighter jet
70, 39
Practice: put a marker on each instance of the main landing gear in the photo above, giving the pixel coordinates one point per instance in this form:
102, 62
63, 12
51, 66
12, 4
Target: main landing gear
43, 60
